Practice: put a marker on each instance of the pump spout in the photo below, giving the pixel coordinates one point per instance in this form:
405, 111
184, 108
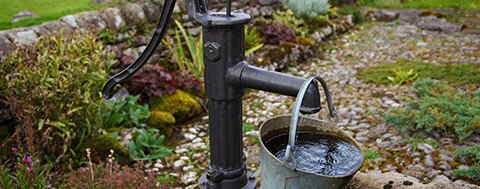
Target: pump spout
248, 76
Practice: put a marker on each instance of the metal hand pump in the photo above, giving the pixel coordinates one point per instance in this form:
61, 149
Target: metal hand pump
227, 76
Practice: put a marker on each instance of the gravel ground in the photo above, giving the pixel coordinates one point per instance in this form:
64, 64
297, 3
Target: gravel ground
360, 105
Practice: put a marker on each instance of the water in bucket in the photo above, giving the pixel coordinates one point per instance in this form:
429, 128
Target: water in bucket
318, 153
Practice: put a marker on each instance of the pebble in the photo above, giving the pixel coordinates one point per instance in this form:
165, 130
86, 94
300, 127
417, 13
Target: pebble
181, 151
428, 161
177, 165
427, 148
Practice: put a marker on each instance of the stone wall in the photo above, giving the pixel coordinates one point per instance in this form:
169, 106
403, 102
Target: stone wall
114, 18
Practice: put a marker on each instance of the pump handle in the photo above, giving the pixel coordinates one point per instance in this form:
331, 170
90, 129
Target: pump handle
146, 54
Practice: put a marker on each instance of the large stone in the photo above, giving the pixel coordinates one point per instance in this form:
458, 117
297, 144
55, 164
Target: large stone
152, 11
55, 28
386, 16
22, 15
266, 2
436, 24
6, 46
70, 20
90, 20
112, 17
22, 37
134, 13
394, 180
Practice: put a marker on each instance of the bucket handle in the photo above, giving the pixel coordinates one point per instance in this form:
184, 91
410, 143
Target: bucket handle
333, 118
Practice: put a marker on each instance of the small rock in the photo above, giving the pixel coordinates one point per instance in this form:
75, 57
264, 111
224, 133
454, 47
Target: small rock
445, 158
428, 161
422, 44
190, 177
444, 166
181, 151
427, 148
177, 165
185, 158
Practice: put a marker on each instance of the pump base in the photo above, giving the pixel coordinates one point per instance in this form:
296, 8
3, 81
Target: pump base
252, 182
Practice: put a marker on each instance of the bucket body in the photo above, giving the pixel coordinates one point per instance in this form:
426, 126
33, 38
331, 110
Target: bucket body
274, 173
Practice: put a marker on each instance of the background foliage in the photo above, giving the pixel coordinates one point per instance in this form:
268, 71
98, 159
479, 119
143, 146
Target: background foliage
53, 90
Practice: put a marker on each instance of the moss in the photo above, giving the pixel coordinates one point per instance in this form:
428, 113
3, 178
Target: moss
181, 105
305, 41
452, 73
162, 121
100, 148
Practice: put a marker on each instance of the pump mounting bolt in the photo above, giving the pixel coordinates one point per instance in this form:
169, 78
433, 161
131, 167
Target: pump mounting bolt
212, 51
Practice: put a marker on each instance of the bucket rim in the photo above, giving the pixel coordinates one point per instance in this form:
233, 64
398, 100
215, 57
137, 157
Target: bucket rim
351, 140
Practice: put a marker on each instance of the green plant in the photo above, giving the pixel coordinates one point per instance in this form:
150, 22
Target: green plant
190, 59
148, 145
53, 90
472, 172
453, 73
120, 112
28, 172
166, 178
307, 9
5, 178
288, 19
247, 127
438, 107
369, 155
253, 41
402, 77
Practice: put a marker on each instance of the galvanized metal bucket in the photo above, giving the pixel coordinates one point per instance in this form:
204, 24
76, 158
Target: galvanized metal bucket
276, 173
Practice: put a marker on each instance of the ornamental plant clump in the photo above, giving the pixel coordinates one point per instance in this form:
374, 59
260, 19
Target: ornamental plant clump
53, 90
27, 172
153, 80
148, 145
126, 113
439, 107
274, 33
307, 9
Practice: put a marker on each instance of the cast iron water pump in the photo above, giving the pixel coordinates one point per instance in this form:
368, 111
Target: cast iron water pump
227, 76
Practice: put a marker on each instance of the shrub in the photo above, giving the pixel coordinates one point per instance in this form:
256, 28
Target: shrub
120, 112
108, 176
438, 107
453, 73
274, 33
154, 80
148, 145
288, 19
53, 90
181, 105
472, 172
307, 9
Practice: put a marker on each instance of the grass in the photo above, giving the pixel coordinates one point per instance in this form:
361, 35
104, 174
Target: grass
452, 73
422, 4
46, 10
370, 155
